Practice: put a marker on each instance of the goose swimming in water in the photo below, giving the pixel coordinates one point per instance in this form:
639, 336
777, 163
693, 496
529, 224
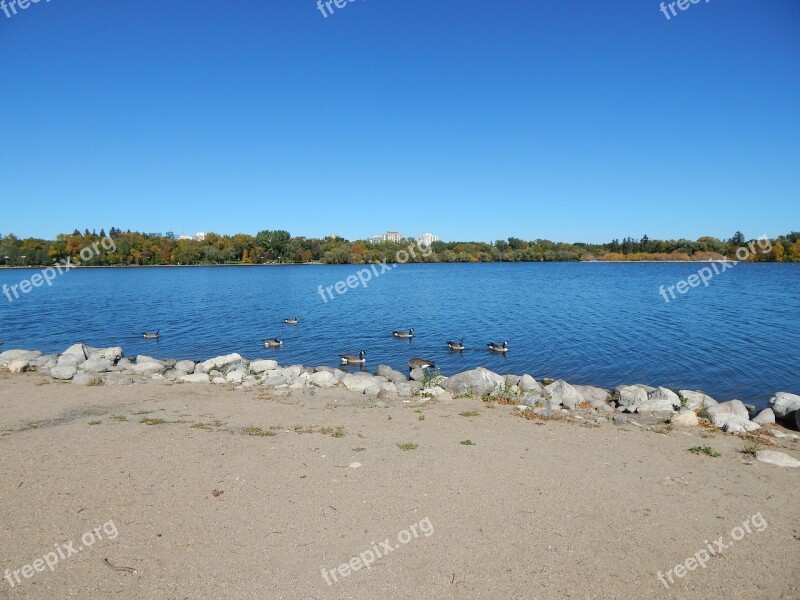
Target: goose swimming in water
403, 334
151, 335
353, 359
420, 363
273, 343
292, 320
459, 345
498, 347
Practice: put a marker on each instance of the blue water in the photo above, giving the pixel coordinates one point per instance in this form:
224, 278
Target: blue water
599, 324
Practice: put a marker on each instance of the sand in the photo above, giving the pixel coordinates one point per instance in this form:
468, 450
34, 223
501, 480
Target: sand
534, 509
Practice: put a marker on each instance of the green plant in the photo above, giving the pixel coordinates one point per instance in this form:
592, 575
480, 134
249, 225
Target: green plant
95, 422
470, 413
707, 450
467, 443
407, 446
149, 421
750, 449
431, 378
421, 418
119, 417
359, 449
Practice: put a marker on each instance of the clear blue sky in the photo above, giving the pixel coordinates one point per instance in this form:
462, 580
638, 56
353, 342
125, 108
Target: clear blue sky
571, 120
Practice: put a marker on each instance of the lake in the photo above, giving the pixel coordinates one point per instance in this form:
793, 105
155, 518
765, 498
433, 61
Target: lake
598, 323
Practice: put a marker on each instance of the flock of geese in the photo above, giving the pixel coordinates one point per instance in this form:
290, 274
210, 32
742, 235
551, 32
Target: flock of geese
359, 359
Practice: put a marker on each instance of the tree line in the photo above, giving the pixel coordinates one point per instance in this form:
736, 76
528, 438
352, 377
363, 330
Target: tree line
278, 246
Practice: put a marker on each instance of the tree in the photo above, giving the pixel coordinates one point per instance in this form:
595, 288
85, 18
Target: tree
778, 252
737, 239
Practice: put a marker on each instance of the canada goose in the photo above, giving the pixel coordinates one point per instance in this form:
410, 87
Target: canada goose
292, 320
459, 345
151, 335
420, 363
273, 343
353, 359
403, 334
498, 347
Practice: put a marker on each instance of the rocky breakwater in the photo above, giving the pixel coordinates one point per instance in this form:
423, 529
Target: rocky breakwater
643, 405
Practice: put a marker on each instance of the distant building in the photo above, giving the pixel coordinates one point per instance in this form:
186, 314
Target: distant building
155, 235
169, 235
185, 237
200, 236
394, 236
377, 239
426, 239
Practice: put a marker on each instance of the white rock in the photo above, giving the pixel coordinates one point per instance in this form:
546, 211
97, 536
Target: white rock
594, 395
784, 403
259, 366
686, 418
354, 465
692, 400
732, 423
323, 379
218, 380
18, 366
195, 378
95, 365
185, 366
292, 371
631, 396
360, 382
235, 377
221, 361
765, 417
113, 354
13, 355
560, 392
777, 458
86, 379
149, 368
478, 382
661, 399
732, 407
65, 372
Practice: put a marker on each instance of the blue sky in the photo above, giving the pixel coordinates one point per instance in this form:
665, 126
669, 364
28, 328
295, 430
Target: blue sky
568, 120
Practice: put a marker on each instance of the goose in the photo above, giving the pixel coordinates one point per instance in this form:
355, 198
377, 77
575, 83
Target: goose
151, 335
403, 334
459, 345
353, 359
273, 343
292, 320
498, 347
420, 363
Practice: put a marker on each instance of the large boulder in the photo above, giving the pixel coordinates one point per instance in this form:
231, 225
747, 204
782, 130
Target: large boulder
148, 366
692, 400
12, 355
113, 354
783, 404
595, 395
96, 365
18, 366
360, 382
685, 418
259, 366
733, 423
765, 417
660, 400
732, 407
780, 459
323, 379
391, 374
185, 366
630, 396
479, 381
63, 372
86, 379
221, 361
561, 393
72, 356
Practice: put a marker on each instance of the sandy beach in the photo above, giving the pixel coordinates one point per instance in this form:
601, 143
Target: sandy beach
221, 493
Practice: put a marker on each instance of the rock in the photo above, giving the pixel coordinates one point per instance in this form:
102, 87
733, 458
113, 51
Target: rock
259, 366
733, 423
354, 465
780, 459
619, 419
96, 365
765, 417
732, 407
406, 390
47, 361
479, 381
124, 363
195, 378
685, 418
600, 420
418, 374
323, 379
751, 408
141, 359
72, 356
14, 355
219, 380
18, 366
560, 392
594, 395
359, 382
221, 361
547, 413
185, 366
148, 367
661, 399
65, 372
390, 374
532, 401
235, 377
693, 400
783, 404
387, 395
86, 379
292, 371
529, 384
275, 380
630, 396
112, 354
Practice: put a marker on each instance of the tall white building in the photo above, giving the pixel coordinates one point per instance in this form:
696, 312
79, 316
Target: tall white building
426, 239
